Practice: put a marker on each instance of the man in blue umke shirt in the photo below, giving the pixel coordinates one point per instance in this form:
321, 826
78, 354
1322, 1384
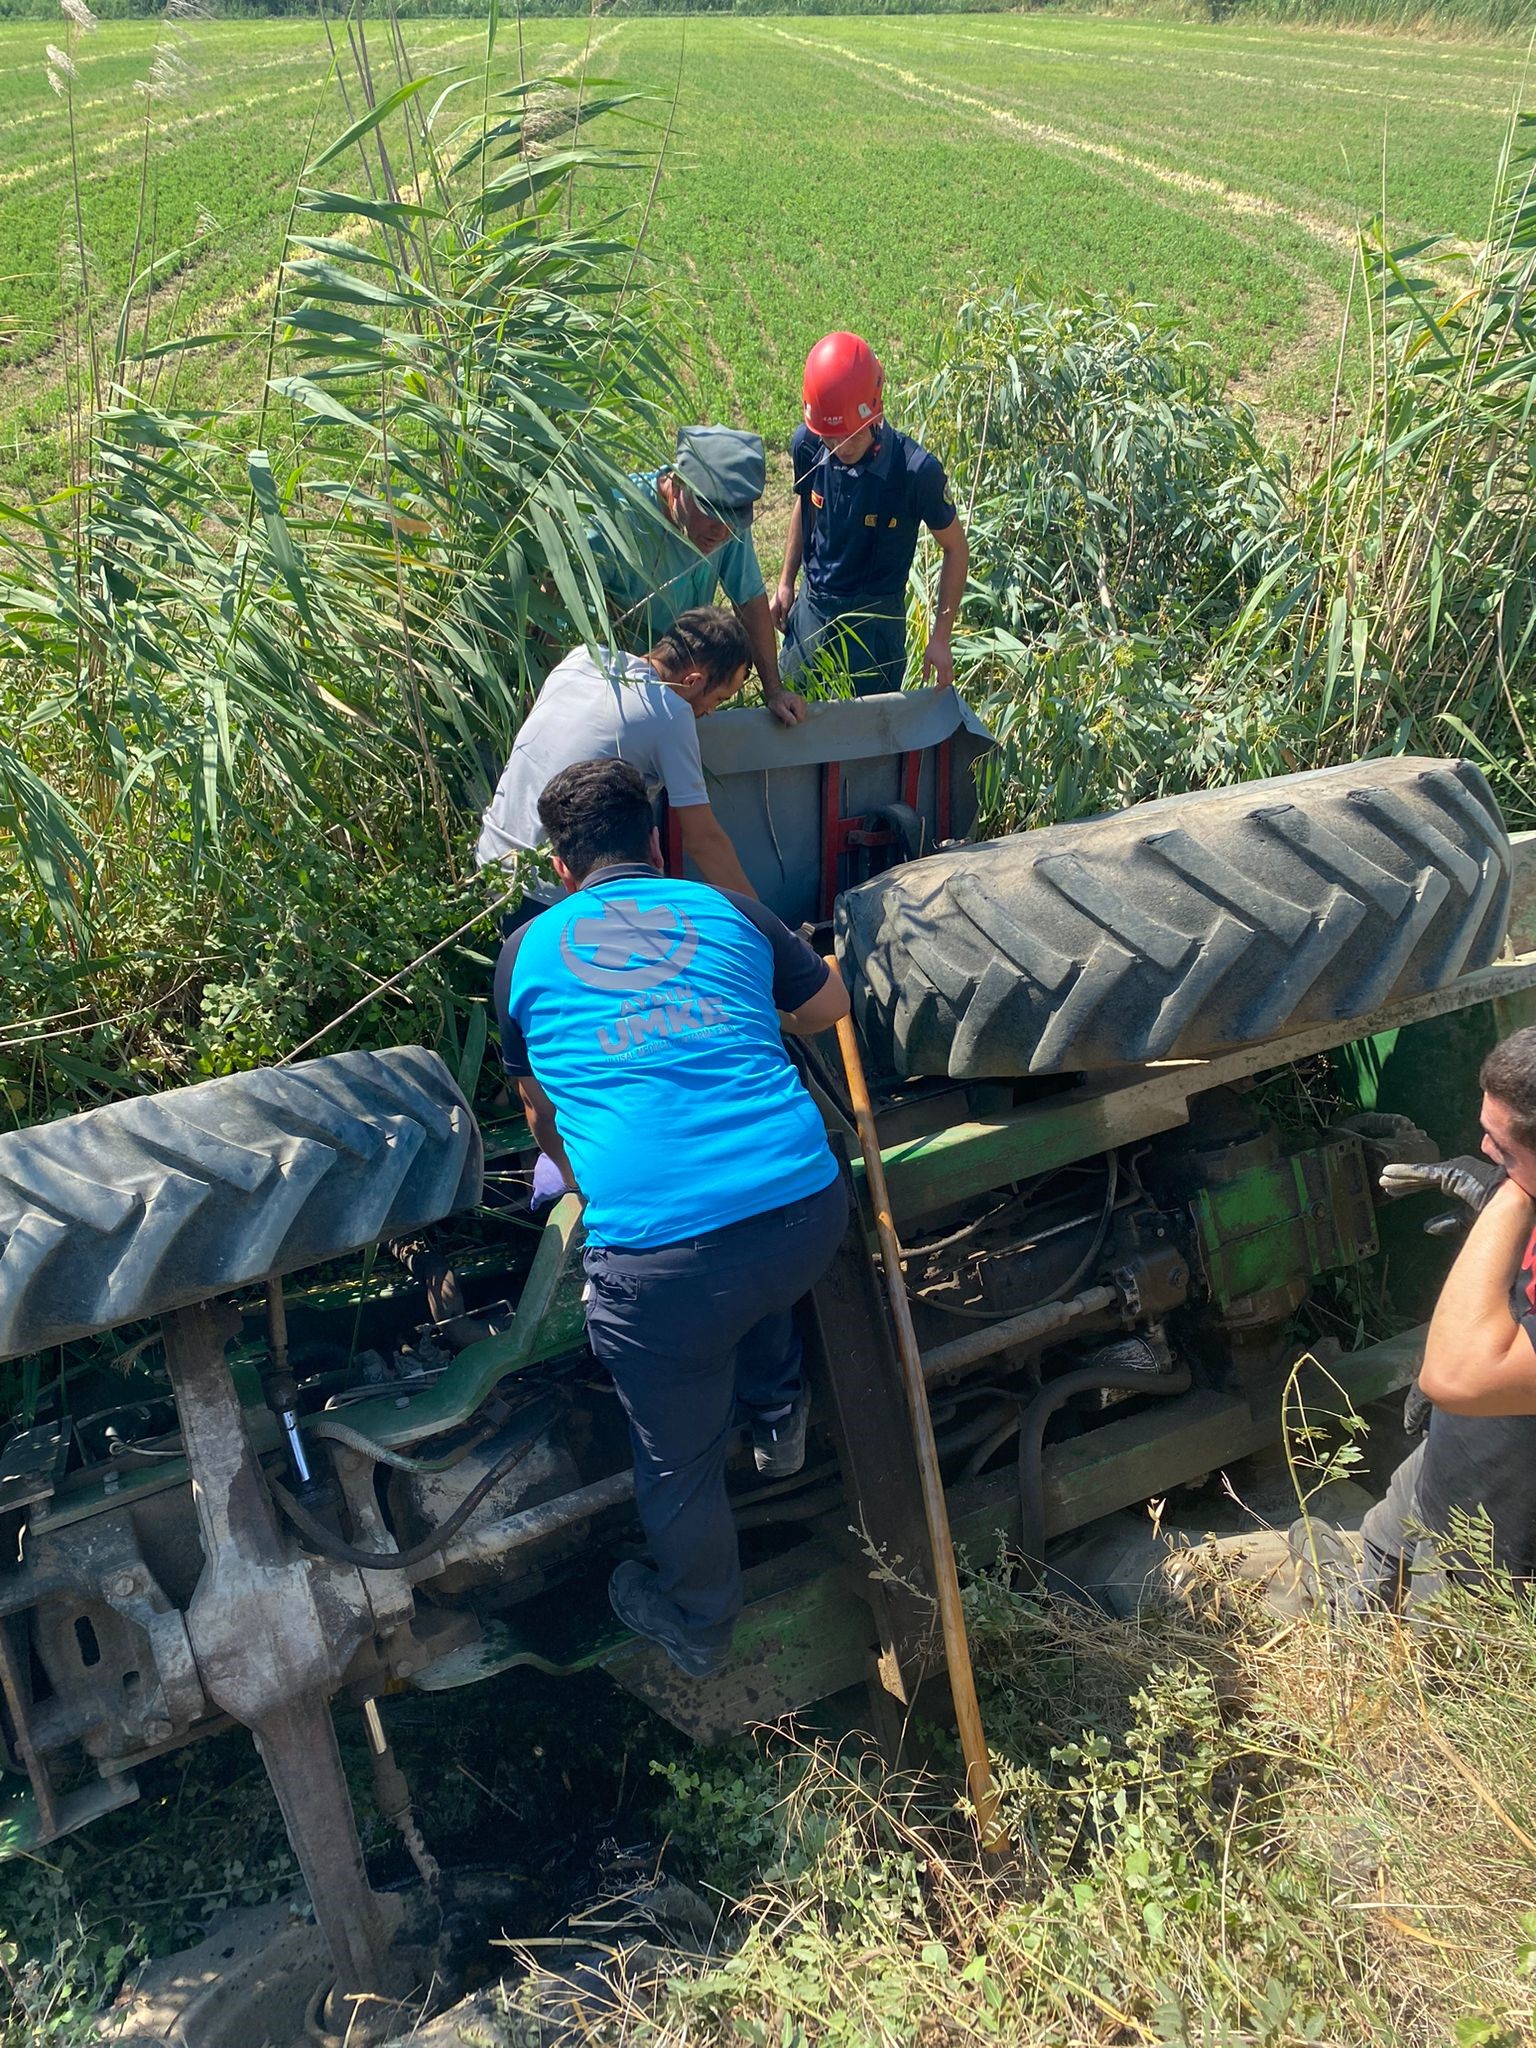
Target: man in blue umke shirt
641, 1019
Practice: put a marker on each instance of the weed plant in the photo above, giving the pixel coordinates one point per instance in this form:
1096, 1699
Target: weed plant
253, 697
1414, 614
1221, 1831
255, 690
1455, 17
1405, 17
1118, 510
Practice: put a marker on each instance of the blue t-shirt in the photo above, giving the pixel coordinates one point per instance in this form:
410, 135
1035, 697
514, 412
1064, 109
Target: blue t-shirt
859, 520
646, 1009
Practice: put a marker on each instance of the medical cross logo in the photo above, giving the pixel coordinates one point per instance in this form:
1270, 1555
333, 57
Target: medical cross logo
625, 950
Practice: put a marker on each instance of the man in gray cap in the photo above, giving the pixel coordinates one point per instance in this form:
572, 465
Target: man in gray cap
699, 539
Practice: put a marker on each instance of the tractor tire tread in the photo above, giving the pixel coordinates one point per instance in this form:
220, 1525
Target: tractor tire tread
1183, 927
157, 1201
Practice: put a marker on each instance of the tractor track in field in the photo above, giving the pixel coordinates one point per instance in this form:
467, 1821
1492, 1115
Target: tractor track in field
741, 279
129, 141
246, 298
202, 74
1473, 56
1254, 386
1325, 88
719, 362
927, 92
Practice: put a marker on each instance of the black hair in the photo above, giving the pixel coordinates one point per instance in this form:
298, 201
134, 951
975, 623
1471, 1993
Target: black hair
708, 637
1509, 1075
596, 812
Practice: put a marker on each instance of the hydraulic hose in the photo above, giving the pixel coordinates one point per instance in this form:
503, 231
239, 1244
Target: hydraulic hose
1073, 1279
326, 1543
329, 1425
1032, 1424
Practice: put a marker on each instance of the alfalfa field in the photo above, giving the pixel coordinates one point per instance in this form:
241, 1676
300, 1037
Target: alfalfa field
816, 172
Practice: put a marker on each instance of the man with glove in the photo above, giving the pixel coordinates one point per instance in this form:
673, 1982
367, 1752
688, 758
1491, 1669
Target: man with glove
1478, 1380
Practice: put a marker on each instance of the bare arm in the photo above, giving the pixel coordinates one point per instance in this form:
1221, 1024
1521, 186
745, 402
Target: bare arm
938, 661
829, 1003
757, 619
794, 555
540, 1112
1479, 1360
708, 846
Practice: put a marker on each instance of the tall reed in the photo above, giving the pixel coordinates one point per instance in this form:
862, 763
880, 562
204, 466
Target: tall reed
1157, 605
255, 687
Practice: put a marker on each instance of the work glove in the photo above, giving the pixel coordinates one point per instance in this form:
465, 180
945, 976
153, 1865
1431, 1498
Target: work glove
548, 1184
1466, 1179
1388, 1138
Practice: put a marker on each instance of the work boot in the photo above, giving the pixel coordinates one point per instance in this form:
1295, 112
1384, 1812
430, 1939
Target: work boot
640, 1604
1330, 1563
778, 1441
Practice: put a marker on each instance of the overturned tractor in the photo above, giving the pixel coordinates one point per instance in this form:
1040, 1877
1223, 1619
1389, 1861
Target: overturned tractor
313, 1489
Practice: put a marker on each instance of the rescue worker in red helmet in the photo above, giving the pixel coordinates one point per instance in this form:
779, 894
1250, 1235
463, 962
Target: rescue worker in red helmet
863, 492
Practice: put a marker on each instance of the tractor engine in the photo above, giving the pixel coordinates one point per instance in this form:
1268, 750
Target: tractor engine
1206, 1241
1179, 1260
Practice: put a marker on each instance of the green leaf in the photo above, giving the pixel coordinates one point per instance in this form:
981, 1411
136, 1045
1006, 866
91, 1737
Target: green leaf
474, 1050
388, 212
304, 391
285, 555
49, 833
375, 115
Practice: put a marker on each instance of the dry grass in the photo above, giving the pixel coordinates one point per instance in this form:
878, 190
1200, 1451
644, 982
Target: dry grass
1274, 1833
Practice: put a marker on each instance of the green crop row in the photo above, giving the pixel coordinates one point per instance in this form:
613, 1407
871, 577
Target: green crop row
817, 173
1455, 17
866, 174
209, 168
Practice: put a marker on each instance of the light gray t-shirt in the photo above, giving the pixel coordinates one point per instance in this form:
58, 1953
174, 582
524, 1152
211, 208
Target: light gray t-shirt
617, 709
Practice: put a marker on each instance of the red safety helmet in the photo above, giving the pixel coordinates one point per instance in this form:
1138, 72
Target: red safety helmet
842, 388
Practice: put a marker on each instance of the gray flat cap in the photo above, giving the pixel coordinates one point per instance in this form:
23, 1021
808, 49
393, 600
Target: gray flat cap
725, 470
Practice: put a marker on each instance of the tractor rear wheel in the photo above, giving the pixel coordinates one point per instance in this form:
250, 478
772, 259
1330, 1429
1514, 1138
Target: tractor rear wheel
1180, 928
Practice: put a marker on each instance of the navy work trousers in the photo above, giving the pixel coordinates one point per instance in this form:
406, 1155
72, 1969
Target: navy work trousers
871, 644
689, 1330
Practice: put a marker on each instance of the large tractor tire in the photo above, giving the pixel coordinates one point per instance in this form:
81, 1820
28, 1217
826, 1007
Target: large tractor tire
146, 1205
1180, 928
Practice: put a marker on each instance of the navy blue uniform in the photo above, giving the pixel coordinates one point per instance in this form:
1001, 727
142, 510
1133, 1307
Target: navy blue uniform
859, 526
647, 1010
